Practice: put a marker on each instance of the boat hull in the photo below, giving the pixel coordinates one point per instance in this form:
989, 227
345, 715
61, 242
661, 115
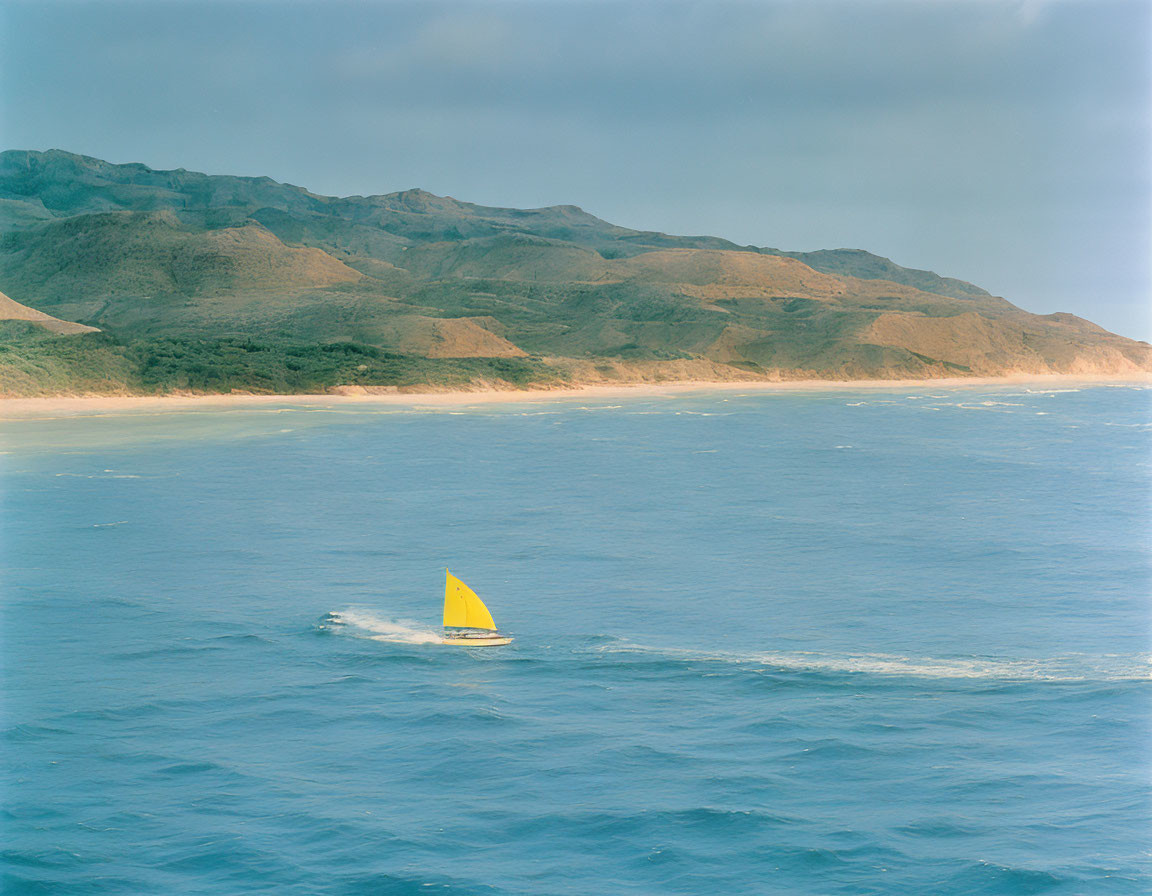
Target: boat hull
495, 641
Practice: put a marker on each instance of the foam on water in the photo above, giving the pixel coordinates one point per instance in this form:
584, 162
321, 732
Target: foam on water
1050, 391
107, 474
360, 623
364, 623
1135, 667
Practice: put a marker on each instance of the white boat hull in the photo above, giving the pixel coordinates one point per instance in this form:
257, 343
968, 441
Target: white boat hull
482, 641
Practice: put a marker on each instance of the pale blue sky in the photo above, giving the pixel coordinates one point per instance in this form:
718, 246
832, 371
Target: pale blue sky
1006, 143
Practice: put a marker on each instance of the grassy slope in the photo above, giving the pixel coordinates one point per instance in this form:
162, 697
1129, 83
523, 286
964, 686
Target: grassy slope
33, 362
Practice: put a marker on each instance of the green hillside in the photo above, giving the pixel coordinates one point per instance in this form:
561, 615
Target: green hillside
217, 283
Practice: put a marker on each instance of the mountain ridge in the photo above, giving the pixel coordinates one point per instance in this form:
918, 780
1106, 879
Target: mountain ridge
39, 164
219, 282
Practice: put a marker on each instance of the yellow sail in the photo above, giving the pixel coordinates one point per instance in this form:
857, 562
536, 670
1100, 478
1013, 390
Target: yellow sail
462, 608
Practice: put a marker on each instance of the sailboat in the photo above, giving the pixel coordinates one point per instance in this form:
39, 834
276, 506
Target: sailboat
467, 622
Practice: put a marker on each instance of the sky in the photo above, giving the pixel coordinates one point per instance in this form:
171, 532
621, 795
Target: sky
1004, 142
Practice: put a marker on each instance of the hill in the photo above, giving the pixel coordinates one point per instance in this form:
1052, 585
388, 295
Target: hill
214, 283
14, 311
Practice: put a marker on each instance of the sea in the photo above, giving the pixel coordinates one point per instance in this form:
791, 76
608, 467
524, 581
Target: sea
858, 641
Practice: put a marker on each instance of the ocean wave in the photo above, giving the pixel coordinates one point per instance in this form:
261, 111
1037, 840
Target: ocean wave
366, 624
1136, 667
107, 474
1049, 391
28, 733
170, 651
981, 406
696, 821
993, 878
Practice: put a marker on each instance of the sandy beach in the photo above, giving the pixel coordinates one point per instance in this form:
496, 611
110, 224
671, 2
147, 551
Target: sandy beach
25, 408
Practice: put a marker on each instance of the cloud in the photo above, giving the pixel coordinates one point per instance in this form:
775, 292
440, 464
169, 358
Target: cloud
981, 137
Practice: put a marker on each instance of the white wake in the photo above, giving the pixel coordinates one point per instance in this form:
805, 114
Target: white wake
366, 624
1083, 667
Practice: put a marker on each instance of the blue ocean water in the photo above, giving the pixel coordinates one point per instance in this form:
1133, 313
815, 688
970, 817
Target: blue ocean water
858, 642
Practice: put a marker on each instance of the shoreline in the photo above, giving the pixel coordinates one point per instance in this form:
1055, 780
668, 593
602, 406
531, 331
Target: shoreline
22, 408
